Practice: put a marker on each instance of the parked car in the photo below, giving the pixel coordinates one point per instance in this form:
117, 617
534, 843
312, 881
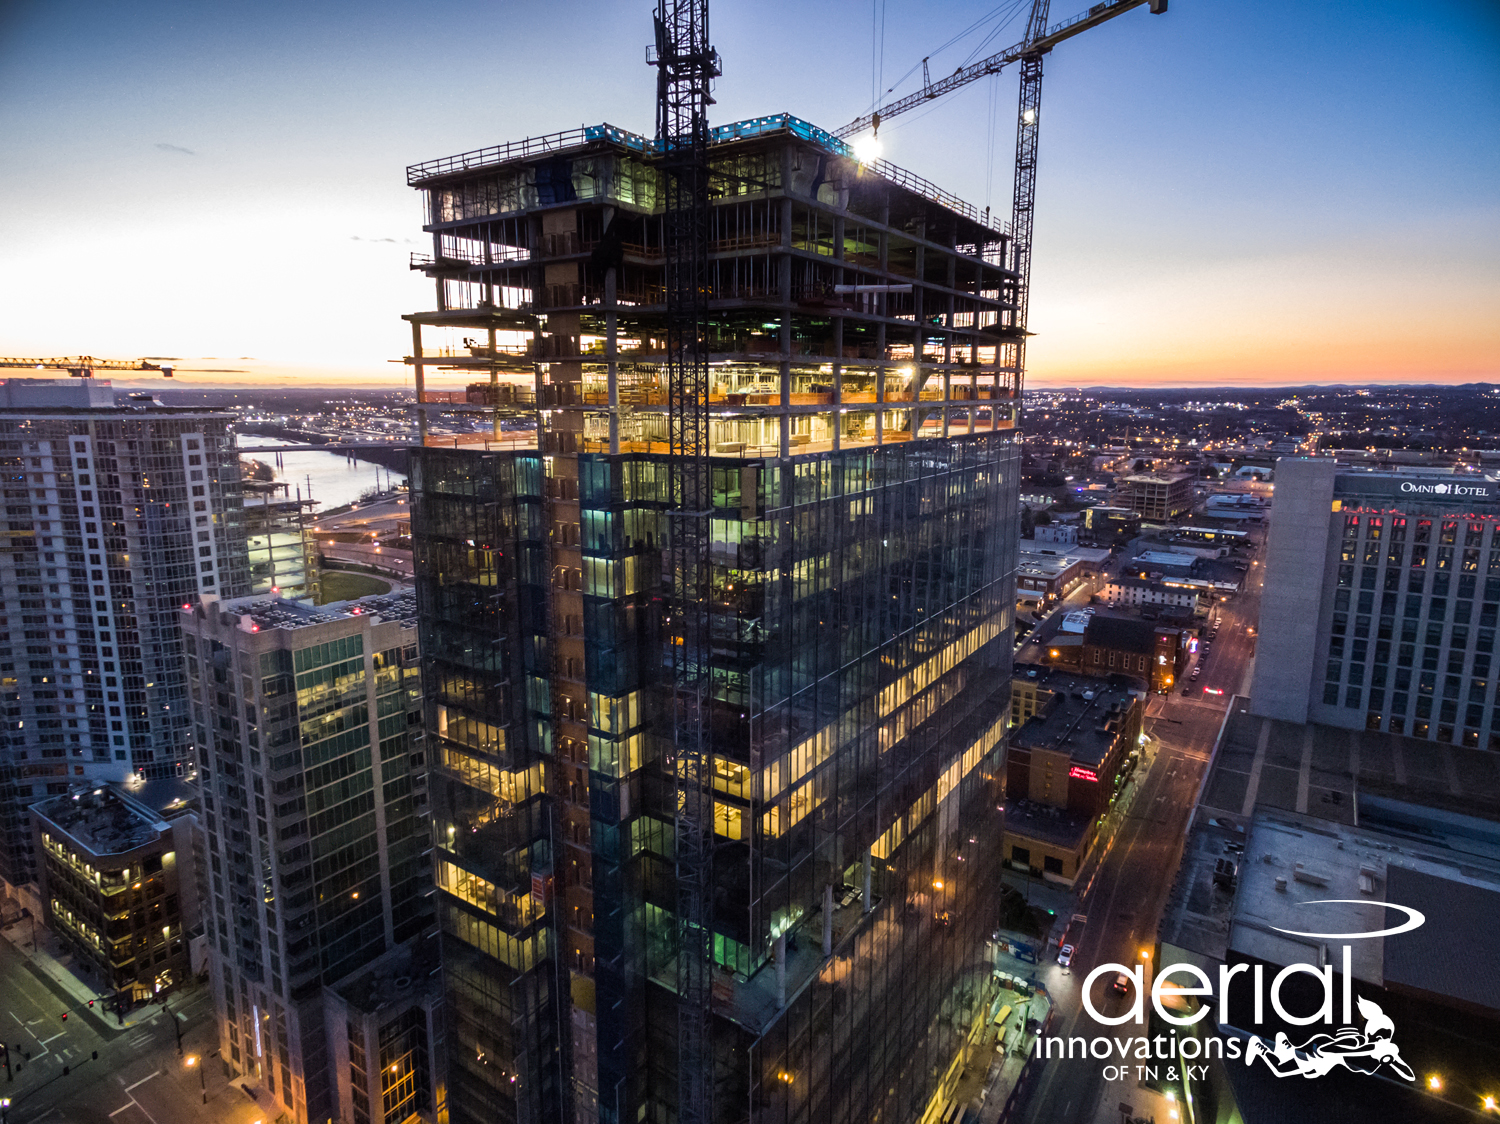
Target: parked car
1065, 955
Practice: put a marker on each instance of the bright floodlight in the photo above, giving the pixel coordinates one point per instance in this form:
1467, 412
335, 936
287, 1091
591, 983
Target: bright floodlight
1029, 116
867, 149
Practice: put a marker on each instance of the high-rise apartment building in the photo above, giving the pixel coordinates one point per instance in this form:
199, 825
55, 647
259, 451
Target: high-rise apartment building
283, 555
1381, 603
317, 854
865, 472
117, 514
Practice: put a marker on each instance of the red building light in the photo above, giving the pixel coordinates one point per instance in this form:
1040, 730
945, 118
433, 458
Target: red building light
1083, 774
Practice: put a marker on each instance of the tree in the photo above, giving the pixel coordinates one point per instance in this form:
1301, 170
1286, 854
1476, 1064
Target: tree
1028, 521
1043, 519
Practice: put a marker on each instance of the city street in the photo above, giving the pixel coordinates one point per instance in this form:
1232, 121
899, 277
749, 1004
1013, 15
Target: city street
138, 1076
1124, 895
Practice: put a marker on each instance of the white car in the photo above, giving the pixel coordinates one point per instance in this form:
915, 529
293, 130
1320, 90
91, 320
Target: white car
1065, 955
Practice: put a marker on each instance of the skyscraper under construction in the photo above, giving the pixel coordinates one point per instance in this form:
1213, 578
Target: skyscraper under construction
862, 543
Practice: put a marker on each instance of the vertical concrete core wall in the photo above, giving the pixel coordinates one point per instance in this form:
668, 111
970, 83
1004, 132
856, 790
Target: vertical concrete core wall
1295, 570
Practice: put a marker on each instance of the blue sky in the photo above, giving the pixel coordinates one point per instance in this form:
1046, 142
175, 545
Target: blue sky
1238, 191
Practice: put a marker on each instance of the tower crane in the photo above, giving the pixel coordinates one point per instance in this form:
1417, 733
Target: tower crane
1029, 52
84, 366
686, 67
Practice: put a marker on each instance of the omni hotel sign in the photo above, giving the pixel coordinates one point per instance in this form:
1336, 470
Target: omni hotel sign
1478, 491
1457, 491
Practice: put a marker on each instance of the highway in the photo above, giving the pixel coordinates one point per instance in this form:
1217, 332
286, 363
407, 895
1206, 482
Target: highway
1124, 892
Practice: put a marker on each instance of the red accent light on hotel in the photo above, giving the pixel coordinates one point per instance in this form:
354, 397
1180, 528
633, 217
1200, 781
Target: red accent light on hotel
1083, 774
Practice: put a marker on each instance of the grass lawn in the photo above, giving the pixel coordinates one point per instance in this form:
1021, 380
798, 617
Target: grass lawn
342, 585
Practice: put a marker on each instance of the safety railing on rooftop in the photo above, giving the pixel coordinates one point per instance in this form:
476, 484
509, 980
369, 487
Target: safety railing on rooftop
518, 150
737, 130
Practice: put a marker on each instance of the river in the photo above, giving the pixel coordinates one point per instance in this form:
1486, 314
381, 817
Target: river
330, 478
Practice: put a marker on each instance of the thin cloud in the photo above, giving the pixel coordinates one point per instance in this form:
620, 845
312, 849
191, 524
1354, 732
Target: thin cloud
165, 147
357, 238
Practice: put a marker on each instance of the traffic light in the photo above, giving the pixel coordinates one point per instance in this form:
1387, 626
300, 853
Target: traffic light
65, 1016
95, 1056
91, 1002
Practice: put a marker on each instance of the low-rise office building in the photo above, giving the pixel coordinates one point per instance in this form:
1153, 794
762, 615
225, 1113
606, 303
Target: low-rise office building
1245, 891
1047, 577
1136, 593
1157, 497
1126, 646
1109, 523
1066, 764
117, 882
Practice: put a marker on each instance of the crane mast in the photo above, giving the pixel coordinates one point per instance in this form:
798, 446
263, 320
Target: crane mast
1023, 194
686, 67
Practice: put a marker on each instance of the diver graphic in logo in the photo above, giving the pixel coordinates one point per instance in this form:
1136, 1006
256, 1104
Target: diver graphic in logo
1360, 1051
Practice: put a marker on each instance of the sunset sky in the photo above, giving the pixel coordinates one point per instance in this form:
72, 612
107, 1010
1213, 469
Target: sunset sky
1238, 192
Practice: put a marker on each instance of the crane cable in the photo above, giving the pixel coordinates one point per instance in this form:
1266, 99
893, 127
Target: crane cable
1006, 13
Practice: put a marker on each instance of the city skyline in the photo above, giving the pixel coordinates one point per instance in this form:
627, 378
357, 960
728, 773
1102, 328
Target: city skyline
1220, 202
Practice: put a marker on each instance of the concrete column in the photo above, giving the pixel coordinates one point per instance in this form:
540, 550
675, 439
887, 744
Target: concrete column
611, 343
827, 919
836, 414
780, 953
494, 380
882, 308
784, 279
836, 417
420, 372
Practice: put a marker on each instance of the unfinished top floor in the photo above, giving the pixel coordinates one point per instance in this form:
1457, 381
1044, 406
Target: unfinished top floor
795, 220
848, 303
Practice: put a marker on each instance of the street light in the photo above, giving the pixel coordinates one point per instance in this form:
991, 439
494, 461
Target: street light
192, 1061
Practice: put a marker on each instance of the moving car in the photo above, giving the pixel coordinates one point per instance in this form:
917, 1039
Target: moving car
1065, 955
1121, 983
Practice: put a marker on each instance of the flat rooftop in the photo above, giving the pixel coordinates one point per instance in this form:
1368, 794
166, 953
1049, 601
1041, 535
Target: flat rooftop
111, 819
1077, 717
273, 613
405, 972
1310, 874
1044, 565
1259, 762
1046, 823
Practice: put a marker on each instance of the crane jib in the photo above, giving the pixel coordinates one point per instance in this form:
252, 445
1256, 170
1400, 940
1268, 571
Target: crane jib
1039, 44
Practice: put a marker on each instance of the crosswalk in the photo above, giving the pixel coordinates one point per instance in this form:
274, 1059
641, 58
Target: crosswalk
140, 1038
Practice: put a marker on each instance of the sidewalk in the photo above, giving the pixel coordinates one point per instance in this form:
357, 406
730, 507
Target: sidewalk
1145, 1104
56, 964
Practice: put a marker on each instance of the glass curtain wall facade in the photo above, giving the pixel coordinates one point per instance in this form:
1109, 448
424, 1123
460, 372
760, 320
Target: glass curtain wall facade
116, 516
862, 625
861, 423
